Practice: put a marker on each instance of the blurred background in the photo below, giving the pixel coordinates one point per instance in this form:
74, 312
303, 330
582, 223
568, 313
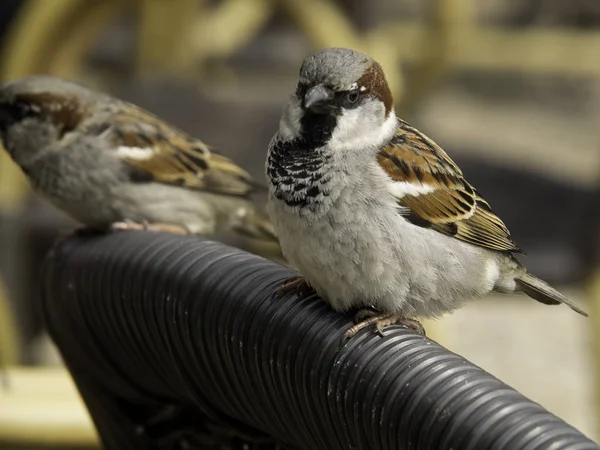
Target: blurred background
510, 88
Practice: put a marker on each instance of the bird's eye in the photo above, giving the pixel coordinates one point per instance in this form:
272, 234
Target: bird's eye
22, 107
349, 99
353, 96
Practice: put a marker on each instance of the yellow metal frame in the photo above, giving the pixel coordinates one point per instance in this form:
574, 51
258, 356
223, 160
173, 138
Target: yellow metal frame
219, 32
165, 37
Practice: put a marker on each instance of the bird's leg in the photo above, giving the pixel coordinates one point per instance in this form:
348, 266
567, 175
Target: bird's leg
297, 284
366, 317
365, 313
129, 225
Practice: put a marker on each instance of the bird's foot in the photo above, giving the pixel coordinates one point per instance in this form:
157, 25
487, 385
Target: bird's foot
129, 225
366, 317
296, 284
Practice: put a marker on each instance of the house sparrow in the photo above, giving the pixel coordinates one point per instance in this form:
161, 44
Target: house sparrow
110, 164
373, 213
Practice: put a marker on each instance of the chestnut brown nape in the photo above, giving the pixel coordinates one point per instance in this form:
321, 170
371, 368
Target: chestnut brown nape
64, 111
376, 84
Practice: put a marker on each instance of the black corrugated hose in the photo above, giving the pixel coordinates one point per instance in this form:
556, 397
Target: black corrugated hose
176, 343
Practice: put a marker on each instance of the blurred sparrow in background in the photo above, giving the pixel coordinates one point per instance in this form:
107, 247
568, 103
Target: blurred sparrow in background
373, 213
112, 165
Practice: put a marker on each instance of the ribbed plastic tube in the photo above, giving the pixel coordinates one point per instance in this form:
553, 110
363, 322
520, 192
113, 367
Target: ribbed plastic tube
174, 341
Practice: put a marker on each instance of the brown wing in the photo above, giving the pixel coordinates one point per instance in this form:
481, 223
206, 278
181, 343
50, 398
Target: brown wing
434, 193
167, 155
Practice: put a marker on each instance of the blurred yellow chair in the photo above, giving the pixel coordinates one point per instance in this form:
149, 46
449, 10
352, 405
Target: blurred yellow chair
37, 406
41, 407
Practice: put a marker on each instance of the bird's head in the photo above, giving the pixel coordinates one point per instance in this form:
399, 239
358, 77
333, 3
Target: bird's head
342, 100
37, 111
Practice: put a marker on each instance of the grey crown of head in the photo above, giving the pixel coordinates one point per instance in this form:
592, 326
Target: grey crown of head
336, 68
339, 68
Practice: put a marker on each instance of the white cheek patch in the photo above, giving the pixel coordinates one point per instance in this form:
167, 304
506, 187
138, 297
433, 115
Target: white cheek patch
362, 127
401, 188
137, 153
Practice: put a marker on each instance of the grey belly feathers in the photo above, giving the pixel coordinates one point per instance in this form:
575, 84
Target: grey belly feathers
360, 251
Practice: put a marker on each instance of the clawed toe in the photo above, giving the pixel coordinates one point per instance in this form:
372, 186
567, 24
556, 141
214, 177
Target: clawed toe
303, 289
367, 317
414, 325
364, 314
296, 284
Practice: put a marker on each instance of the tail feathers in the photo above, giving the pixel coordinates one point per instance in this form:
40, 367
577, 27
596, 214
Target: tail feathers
544, 293
256, 225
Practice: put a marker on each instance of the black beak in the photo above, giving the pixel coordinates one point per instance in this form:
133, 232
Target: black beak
319, 100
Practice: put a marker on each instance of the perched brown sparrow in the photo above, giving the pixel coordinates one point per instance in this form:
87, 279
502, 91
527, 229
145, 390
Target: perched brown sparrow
374, 213
110, 164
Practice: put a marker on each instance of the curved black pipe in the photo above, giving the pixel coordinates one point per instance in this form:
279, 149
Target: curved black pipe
173, 341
